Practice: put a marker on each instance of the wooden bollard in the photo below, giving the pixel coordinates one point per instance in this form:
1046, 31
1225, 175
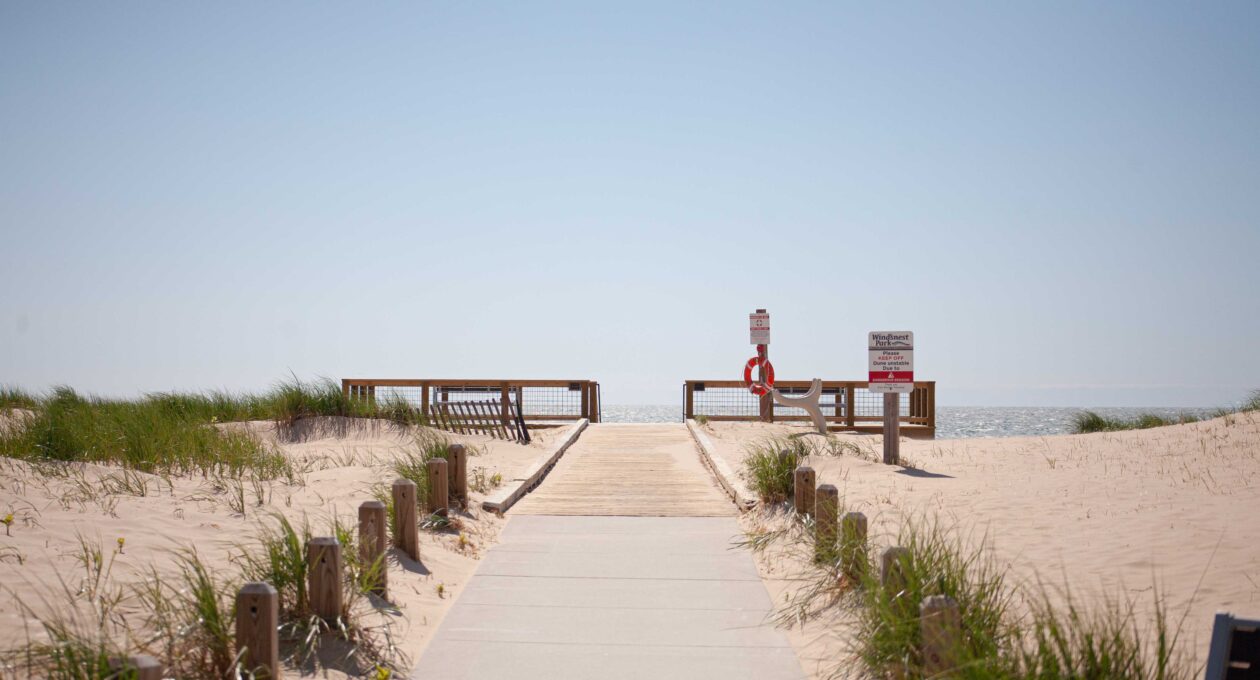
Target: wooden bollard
826, 508
458, 467
804, 484
439, 500
323, 565
892, 572
143, 666
372, 543
257, 623
853, 544
940, 633
406, 521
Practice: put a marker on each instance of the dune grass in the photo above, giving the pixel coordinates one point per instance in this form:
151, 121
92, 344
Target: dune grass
1086, 422
769, 465
1008, 631
173, 433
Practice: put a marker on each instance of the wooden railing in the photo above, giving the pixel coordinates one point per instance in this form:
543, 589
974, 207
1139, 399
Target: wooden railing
538, 400
847, 404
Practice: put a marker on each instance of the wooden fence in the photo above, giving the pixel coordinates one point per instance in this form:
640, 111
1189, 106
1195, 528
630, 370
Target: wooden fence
537, 400
847, 404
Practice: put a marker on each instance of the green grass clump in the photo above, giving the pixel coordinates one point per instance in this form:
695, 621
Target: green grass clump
12, 397
1252, 403
1066, 641
148, 435
938, 564
413, 463
769, 466
1086, 422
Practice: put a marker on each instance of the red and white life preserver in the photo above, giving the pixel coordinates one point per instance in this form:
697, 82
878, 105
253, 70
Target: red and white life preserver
759, 388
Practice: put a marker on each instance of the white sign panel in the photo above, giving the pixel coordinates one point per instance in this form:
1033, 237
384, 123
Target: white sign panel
759, 329
891, 361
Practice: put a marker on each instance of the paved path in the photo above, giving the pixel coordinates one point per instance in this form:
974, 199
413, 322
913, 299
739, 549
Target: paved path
615, 593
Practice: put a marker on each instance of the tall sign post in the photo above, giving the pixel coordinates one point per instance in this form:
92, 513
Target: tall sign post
759, 335
890, 355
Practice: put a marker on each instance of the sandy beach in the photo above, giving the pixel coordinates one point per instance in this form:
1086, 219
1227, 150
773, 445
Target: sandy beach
341, 461
1110, 513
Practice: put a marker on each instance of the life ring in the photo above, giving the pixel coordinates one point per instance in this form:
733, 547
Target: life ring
759, 388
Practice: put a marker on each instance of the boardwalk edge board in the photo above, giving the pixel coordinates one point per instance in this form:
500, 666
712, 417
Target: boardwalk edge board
505, 498
726, 477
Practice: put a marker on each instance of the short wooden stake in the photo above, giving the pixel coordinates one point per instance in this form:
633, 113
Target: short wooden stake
372, 543
853, 545
144, 666
406, 519
892, 572
439, 500
804, 485
458, 467
257, 623
323, 564
826, 508
892, 428
940, 631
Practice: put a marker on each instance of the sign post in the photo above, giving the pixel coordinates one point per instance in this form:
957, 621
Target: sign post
759, 335
891, 371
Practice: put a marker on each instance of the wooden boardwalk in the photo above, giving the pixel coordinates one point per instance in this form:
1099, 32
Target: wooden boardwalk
629, 470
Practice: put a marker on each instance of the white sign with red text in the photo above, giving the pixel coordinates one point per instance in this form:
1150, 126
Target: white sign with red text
891, 361
759, 329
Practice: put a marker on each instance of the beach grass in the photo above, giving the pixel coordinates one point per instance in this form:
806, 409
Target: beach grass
174, 433
1086, 422
769, 465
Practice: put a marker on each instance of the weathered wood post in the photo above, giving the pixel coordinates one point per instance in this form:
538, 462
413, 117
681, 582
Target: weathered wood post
940, 632
439, 499
826, 508
458, 466
892, 572
372, 543
406, 520
804, 487
765, 403
257, 623
144, 666
323, 565
853, 545
892, 428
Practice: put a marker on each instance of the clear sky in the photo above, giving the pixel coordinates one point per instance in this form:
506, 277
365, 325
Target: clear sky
1062, 200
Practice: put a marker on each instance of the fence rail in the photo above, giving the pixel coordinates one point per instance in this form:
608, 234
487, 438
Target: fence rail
847, 404
537, 400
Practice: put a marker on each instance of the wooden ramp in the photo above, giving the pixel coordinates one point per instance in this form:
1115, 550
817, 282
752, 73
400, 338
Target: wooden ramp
629, 470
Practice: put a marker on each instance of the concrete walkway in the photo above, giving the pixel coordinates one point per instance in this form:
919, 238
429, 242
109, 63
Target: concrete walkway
616, 592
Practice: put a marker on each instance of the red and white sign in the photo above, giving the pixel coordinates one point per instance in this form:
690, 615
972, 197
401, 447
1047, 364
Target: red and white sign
891, 361
759, 329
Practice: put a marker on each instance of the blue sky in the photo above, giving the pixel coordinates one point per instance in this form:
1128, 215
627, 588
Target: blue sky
1060, 199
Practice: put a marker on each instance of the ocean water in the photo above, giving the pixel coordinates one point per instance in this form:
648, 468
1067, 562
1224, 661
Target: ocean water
952, 422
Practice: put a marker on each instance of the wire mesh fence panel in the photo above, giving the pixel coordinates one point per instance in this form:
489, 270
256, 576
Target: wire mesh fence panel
532, 399
552, 402
846, 405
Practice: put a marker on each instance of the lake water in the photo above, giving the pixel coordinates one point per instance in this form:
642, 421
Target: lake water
952, 422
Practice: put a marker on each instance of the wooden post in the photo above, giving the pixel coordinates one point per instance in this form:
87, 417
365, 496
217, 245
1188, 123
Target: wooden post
940, 632
406, 529
804, 487
850, 406
853, 545
505, 405
439, 499
459, 473
257, 623
892, 572
323, 564
765, 404
826, 507
892, 429
586, 400
689, 400
372, 543
424, 400
144, 666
